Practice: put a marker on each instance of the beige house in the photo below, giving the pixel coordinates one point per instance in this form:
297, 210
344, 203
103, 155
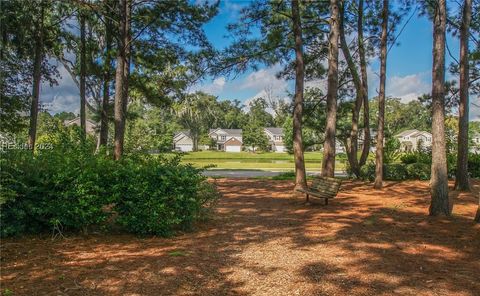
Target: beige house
412, 140
228, 140
275, 137
91, 126
475, 147
182, 141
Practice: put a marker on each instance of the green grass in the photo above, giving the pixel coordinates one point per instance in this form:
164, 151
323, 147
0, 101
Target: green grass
257, 161
248, 155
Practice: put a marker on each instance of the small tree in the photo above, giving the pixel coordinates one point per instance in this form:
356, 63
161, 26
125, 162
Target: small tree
254, 136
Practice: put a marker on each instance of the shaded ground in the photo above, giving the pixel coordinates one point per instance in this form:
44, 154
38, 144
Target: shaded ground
264, 242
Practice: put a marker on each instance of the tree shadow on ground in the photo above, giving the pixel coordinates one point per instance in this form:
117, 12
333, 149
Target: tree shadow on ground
262, 241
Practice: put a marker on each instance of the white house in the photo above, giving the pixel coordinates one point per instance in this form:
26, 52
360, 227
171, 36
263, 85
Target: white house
229, 140
373, 139
275, 137
411, 140
339, 147
91, 126
182, 141
475, 147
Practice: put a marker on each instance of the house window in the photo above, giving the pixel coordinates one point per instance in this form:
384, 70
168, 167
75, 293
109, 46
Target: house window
223, 138
277, 138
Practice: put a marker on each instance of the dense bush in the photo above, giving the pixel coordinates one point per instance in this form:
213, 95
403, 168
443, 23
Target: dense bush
417, 166
418, 171
474, 165
70, 188
159, 197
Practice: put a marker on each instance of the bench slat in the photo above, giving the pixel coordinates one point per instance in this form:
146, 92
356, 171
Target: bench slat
328, 180
327, 184
317, 194
323, 187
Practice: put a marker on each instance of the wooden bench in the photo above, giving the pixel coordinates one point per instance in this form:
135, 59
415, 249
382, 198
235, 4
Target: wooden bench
322, 187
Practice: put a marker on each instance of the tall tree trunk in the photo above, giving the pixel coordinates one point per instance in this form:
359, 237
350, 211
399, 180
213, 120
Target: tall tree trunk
121, 77
381, 99
364, 86
37, 77
439, 178
103, 138
83, 66
352, 146
461, 180
328, 162
300, 174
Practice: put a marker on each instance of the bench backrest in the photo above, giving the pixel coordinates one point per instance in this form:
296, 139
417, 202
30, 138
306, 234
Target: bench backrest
327, 185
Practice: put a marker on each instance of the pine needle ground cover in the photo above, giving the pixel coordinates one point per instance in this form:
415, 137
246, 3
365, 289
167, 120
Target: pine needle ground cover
263, 241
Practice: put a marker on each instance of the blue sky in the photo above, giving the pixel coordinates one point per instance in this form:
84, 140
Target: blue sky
408, 68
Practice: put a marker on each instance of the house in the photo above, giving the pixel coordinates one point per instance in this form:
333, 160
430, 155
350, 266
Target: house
275, 137
229, 140
412, 140
339, 147
373, 139
91, 126
475, 146
182, 141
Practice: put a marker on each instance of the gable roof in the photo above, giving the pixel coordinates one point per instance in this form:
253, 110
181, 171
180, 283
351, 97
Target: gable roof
184, 132
230, 132
90, 125
407, 133
413, 133
276, 131
233, 142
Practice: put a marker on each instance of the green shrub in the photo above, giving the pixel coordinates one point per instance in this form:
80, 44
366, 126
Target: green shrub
159, 197
69, 188
367, 172
59, 187
395, 172
409, 158
418, 171
474, 165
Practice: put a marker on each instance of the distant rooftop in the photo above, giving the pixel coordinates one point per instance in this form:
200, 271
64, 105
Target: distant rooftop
230, 132
275, 130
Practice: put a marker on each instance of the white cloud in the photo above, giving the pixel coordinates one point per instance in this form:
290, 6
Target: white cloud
62, 97
475, 109
231, 6
408, 87
213, 88
263, 78
257, 81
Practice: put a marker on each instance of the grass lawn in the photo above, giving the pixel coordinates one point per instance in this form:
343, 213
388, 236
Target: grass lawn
249, 155
259, 161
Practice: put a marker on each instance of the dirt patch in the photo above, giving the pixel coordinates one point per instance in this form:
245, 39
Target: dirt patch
263, 241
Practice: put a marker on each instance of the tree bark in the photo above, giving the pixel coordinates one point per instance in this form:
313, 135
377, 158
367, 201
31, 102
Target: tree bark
328, 162
37, 77
300, 174
83, 115
121, 77
439, 178
352, 146
364, 86
103, 138
461, 180
381, 99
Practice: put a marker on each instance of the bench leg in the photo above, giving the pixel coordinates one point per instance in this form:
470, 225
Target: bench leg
326, 201
308, 198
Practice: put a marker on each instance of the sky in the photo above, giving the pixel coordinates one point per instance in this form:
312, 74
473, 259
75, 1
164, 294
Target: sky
408, 68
